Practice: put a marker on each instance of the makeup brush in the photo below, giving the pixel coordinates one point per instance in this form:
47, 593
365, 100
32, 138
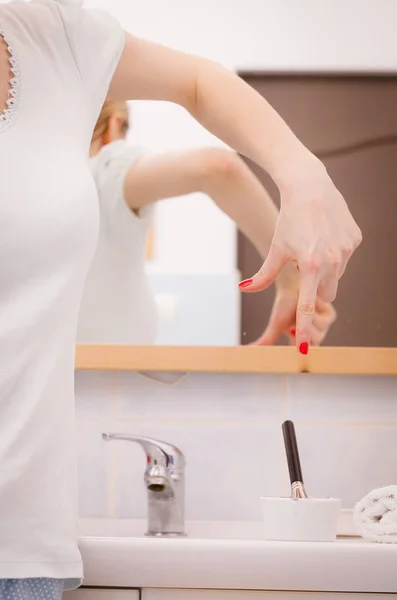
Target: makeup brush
294, 466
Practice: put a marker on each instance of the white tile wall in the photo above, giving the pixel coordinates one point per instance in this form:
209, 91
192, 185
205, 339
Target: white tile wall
199, 397
95, 472
343, 399
229, 427
347, 461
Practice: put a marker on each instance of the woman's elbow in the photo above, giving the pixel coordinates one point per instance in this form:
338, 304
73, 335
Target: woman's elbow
220, 164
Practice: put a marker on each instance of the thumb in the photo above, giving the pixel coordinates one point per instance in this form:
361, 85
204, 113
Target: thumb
272, 266
269, 337
279, 322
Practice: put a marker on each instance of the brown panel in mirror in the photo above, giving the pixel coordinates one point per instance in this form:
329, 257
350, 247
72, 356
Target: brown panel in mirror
351, 123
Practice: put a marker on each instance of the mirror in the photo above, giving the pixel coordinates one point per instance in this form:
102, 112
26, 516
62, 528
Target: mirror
194, 257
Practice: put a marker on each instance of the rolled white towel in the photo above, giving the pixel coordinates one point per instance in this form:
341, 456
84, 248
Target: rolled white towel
375, 516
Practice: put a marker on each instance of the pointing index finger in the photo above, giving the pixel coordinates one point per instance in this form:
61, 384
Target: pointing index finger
306, 308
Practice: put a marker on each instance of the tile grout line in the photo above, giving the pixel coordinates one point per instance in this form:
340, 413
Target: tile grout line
111, 491
284, 397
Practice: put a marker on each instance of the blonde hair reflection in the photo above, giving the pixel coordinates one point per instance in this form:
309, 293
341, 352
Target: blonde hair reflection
108, 110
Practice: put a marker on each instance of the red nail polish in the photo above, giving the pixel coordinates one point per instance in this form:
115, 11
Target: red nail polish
244, 284
293, 332
304, 348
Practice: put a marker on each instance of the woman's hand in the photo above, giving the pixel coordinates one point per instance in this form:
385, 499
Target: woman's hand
283, 316
316, 231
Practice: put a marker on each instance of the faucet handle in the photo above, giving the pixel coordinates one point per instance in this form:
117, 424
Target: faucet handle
157, 452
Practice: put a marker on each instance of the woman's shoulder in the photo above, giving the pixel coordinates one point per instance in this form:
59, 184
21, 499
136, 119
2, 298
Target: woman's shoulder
42, 16
31, 8
109, 169
116, 157
72, 12
73, 6
41, 6
33, 23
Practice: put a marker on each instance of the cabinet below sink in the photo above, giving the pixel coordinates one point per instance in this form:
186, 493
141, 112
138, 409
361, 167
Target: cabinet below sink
161, 594
104, 594
240, 595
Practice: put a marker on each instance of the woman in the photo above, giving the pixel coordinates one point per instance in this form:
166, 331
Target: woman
58, 62
117, 305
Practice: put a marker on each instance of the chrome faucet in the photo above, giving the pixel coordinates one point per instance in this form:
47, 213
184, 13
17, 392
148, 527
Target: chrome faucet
165, 483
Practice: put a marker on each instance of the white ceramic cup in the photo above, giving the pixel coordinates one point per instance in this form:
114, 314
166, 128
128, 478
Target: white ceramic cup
303, 520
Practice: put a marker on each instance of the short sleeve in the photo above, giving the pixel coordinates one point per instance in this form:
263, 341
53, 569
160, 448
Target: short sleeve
97, 41
110, 169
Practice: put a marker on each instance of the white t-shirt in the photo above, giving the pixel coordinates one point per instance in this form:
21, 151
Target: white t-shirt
63, 58
118, 306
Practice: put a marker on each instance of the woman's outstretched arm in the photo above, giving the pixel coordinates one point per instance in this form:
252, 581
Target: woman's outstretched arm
220, 174
314, 228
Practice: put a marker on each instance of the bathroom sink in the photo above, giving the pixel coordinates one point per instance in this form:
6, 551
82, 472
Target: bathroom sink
231, 555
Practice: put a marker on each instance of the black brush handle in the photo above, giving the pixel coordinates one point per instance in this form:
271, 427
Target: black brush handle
291, 449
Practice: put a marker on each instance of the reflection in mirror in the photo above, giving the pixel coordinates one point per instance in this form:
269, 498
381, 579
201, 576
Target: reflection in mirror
129, 299
171, 199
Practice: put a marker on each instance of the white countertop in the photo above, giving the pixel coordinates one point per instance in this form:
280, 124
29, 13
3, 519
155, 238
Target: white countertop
231, 556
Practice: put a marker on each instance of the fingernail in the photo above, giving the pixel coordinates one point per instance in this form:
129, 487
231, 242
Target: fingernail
244, 284
293, 332
304, 348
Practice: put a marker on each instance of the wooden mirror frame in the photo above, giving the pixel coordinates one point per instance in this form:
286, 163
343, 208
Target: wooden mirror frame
239, 359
